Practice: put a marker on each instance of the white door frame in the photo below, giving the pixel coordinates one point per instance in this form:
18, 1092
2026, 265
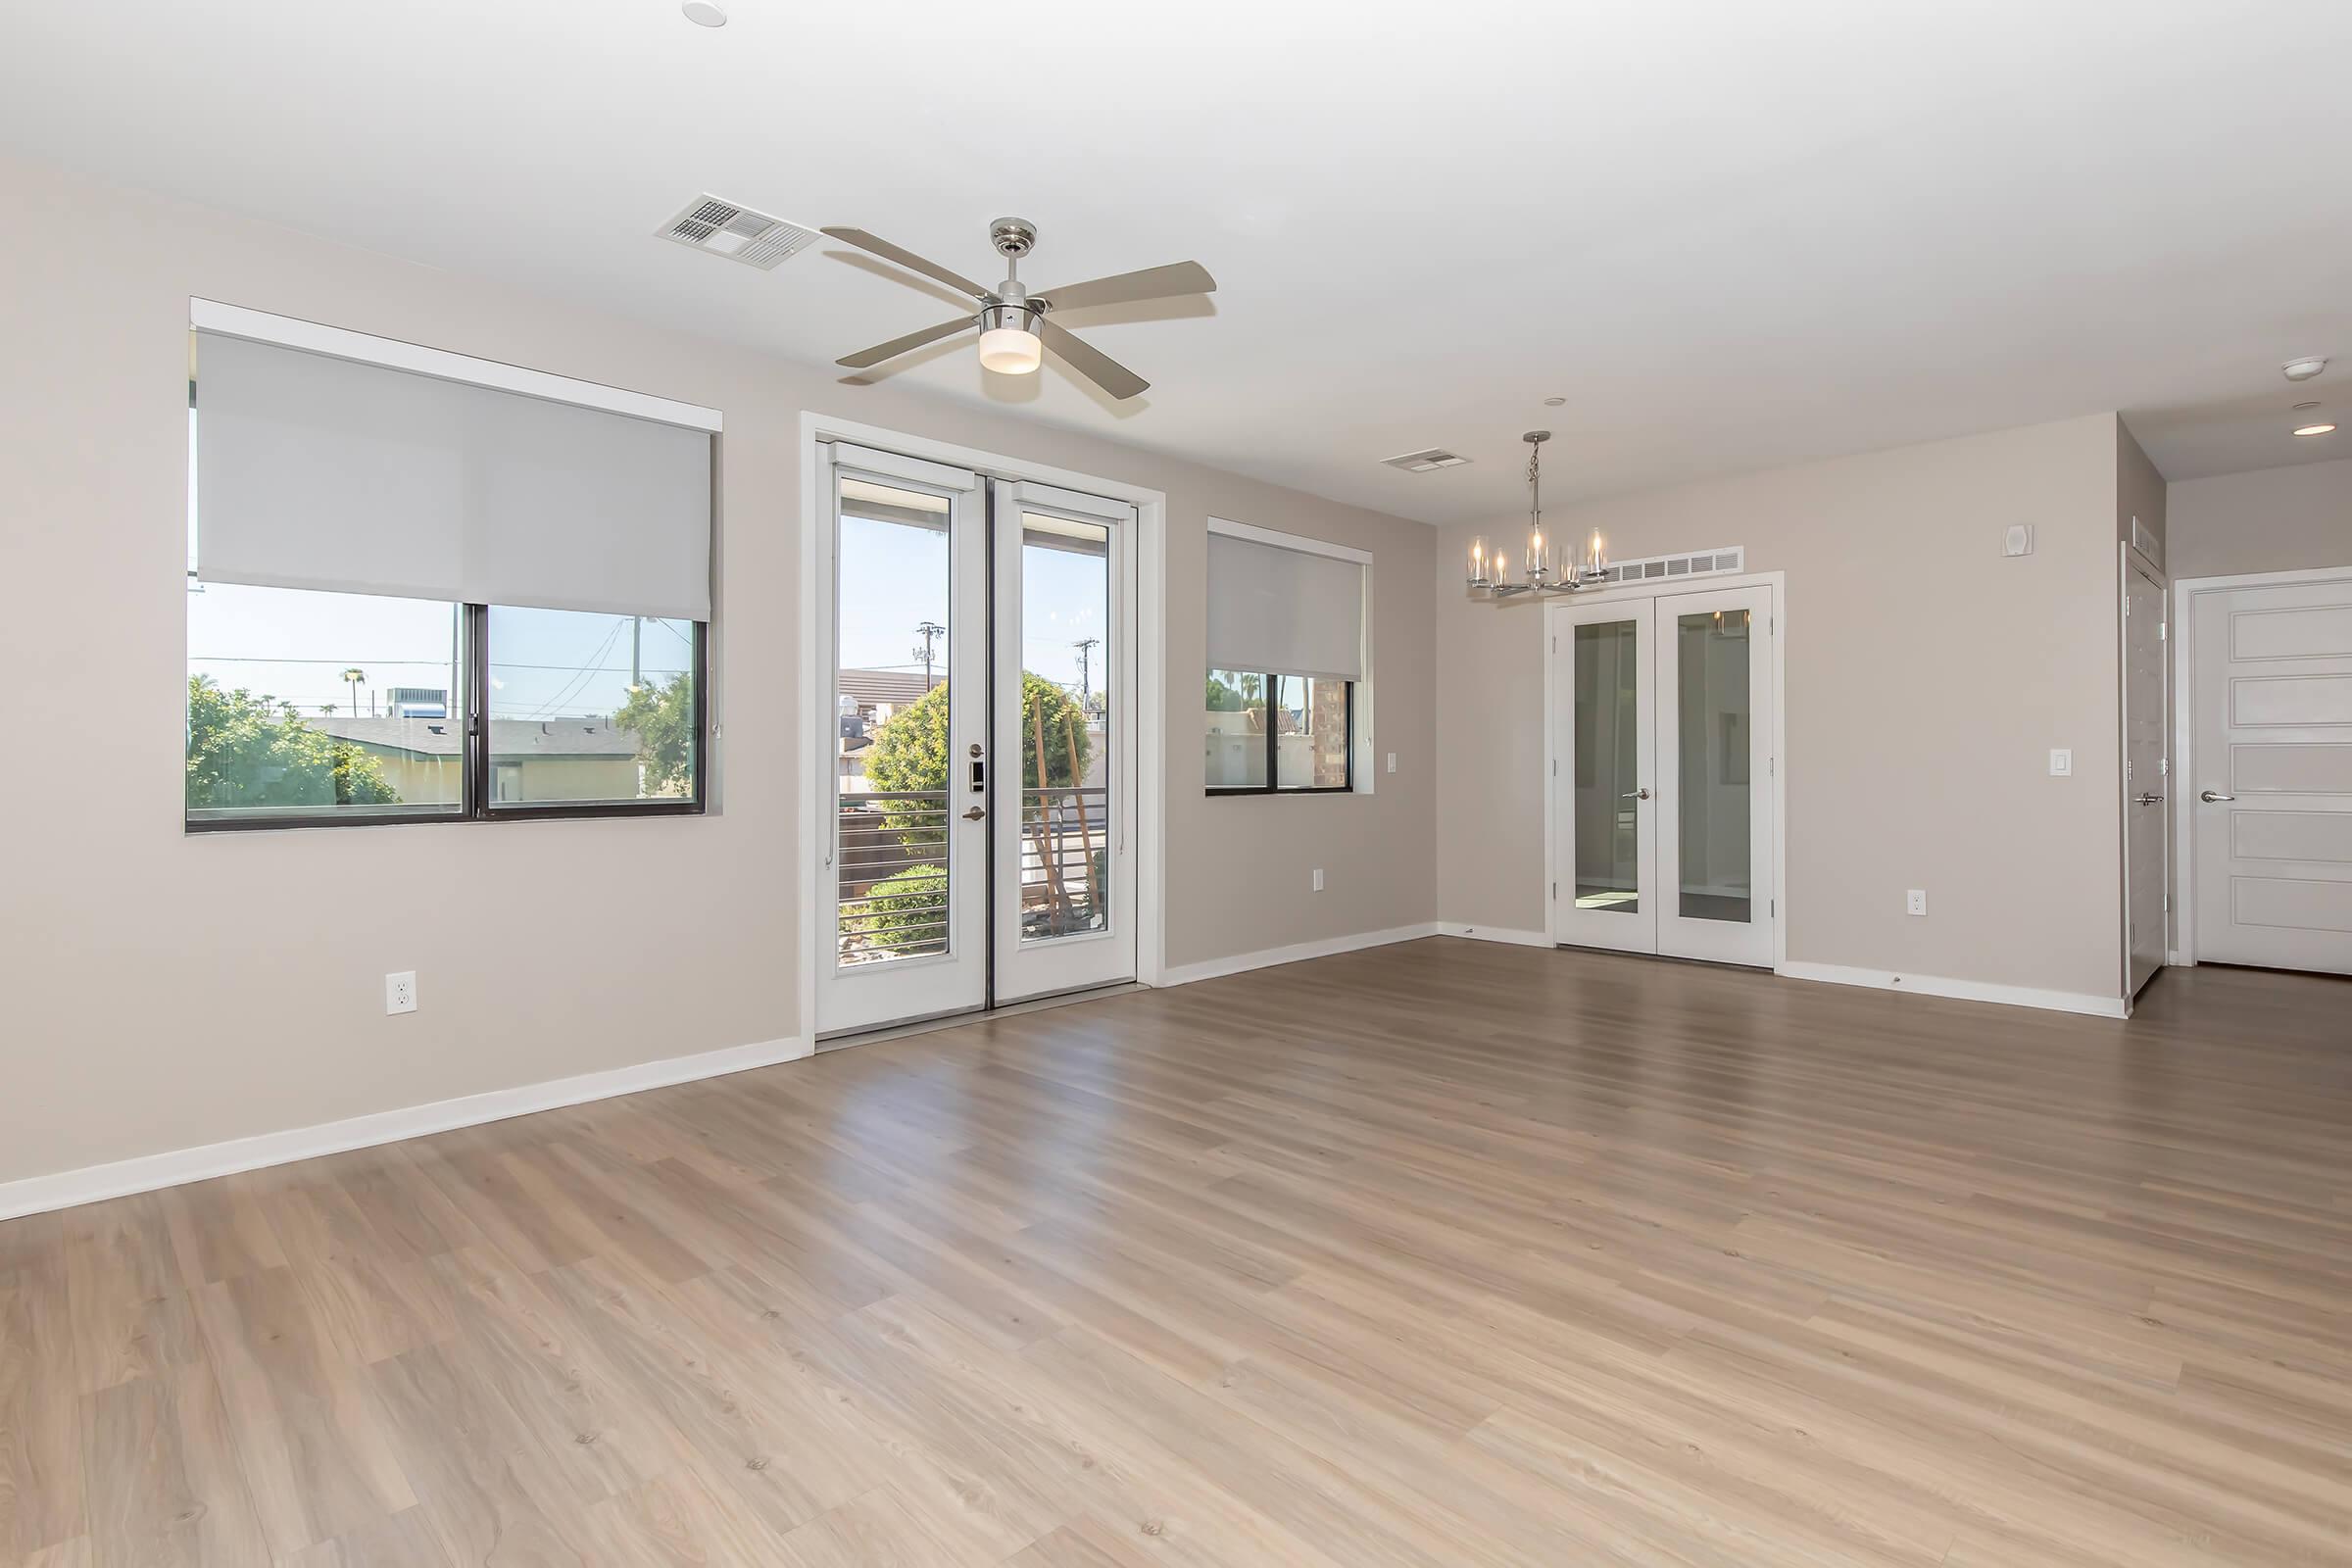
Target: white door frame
1687, 937
1659, 588
1150, 648
2184, 821
2134, 562
1563, 921
1076, 962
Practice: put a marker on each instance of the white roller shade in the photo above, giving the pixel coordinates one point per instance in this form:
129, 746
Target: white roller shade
1284, 611
314, 471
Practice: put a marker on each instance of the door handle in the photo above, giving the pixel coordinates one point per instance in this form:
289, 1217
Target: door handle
974, 814
2213, 794
1637, 794
2148, 800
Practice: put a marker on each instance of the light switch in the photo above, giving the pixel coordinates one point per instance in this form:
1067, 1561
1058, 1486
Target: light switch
1392, 761
2061, 763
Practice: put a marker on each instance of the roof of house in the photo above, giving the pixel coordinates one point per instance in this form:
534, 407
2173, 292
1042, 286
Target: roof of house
897, 687
578, 736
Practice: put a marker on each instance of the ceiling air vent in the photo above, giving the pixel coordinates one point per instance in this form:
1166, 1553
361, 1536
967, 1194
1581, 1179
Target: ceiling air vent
738, 233
1428, 462
1690, 566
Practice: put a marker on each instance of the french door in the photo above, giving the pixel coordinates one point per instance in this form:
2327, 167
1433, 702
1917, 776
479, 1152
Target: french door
977, 807
1661, 742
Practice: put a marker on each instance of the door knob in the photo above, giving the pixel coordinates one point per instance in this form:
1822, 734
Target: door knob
2148, 800
974, 814
2213, 794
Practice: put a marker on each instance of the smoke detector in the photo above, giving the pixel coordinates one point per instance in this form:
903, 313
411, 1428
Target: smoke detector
737, 232
1426, 462
2304, 368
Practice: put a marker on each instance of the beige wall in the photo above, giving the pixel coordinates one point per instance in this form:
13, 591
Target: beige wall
1927, 678
2268, 519
168, 991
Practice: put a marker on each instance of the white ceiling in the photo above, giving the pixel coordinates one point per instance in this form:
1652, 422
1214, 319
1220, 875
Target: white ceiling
1731, 235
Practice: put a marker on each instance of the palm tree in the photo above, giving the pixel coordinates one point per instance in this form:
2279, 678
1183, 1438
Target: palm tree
352, 678
326, 710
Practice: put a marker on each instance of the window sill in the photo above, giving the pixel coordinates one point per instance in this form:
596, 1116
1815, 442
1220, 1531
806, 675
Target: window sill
603, 810
1252, 793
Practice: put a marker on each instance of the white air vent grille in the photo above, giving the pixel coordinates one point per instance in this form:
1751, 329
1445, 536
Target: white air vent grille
1699, 563
1428, 462
737, 232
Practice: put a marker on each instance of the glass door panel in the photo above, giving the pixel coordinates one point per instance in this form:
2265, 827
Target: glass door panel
1609, 775
1713, 731
903, 864
1064, 686
1065, 728
1603, 813
1714, 856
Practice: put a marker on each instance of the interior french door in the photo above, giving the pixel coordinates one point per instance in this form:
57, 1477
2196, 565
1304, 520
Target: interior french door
978, 798
1662, 802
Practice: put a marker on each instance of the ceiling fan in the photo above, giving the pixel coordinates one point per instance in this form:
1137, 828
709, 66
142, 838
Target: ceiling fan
1014, 326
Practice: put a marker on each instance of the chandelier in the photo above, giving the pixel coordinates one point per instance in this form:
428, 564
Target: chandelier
1541, 574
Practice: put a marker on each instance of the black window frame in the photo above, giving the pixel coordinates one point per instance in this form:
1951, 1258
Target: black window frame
474, 804
1273, 784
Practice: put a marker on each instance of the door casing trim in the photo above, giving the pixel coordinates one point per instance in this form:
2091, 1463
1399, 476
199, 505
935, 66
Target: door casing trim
1151, 652
2184, 821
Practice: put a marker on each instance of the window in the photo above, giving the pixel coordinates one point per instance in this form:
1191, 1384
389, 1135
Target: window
592, 707
1286, 645
416, 597
288, 713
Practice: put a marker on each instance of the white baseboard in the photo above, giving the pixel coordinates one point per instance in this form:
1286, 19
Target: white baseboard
35, 1194
1838, 974
1494, 932
1210, 968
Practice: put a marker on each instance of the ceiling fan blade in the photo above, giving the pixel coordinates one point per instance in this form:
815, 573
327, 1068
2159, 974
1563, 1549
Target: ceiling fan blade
1127, 288
1090, 361
908, 260
899, 345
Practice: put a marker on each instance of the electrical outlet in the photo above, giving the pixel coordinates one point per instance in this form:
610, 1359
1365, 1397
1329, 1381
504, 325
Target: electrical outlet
1914, 902
2061, 763
1318, 879
399, 992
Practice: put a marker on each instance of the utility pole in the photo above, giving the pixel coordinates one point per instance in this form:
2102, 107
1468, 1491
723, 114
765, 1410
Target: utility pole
636, 655
1086, 647
929, 631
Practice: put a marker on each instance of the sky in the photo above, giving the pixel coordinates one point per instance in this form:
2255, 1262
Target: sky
893, 576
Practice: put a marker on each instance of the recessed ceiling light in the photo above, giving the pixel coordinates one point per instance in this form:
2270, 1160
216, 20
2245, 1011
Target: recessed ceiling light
2313, 404
1555, 403
2314, 429
704, 14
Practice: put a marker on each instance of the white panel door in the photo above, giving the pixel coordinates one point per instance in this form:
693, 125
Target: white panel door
1063, 800
902, 911
1715, 896
2272, 760
1604, 825
2147, 842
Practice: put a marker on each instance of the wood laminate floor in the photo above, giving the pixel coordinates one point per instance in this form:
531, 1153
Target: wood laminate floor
1441, 1254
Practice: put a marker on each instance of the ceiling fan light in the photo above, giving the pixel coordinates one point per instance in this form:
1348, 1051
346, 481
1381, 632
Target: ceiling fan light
1010, 350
